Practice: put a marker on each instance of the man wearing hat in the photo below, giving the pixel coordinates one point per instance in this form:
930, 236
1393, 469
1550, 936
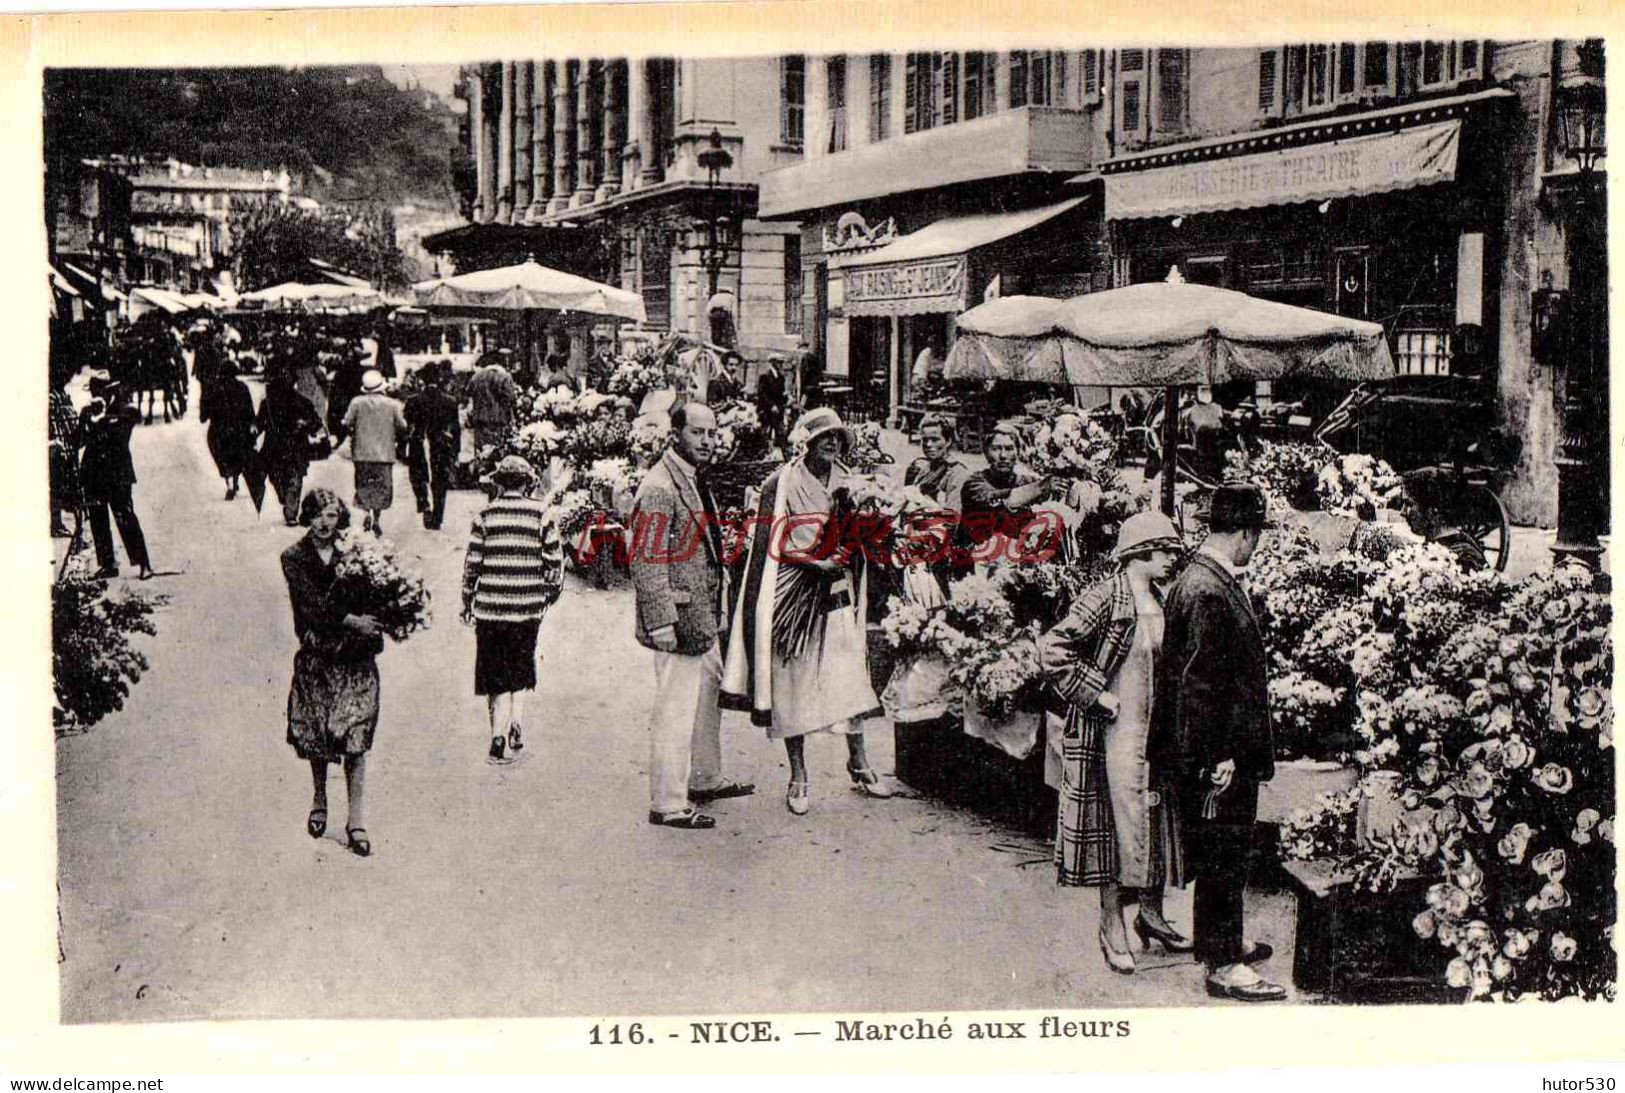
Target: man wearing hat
107, 475
677, 572
376, 424
432, 414
770, 400
1211, 730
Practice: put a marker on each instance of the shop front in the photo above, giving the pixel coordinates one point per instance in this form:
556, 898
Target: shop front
890, 297
1395, 216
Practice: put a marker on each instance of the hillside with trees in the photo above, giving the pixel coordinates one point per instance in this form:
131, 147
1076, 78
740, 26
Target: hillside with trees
346, 133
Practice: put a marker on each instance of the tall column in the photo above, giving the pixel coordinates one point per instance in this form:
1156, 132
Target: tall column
476, 140
655, 91
524, 85
614, 116
505, 147
541, 187
564, 134
637, 83
586, 154
490, 93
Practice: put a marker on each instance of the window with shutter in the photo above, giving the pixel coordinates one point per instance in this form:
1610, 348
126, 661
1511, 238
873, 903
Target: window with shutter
1348, 68
835, 69
911, 106
1131, 106
1269, 82
1433, 70
1040, 79
879, 96
1378, 70
1472, 61
1171, 90
1297, 77
793, 99
973, 85
1018, 79
1131, 60
1320, 75
948, 101
1090, 63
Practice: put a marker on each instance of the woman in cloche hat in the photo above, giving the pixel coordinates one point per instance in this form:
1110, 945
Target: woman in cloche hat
804, 604
1115, 830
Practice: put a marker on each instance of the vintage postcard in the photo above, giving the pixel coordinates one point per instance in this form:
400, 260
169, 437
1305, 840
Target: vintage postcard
812, 537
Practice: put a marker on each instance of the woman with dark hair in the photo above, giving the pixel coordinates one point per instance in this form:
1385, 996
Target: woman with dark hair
333, 701
999, 499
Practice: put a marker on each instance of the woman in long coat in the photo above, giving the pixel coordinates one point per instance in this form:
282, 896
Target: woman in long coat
798, 649
1116, 830
228, 409
333, 701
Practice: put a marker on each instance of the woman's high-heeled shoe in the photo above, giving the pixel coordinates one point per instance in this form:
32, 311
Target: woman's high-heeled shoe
1170, 939
1120, 962
798, 800
868, 782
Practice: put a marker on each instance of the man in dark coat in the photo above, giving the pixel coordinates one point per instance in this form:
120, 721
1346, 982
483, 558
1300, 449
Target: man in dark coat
107, 476
770, 401
1211, 733
432, 462
289, 425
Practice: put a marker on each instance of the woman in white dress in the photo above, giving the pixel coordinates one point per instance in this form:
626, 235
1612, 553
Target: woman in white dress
798, 649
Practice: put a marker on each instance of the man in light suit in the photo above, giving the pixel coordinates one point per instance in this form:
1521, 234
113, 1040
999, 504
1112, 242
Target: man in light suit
1211, 732
676, 561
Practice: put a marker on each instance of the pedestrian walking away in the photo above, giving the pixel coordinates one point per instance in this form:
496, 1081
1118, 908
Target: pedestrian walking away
290, 435
436, 433
1116, 827
376, 424
770, 399
227, 408
492, 399
512, 574
808, 606
1211, 729
107, 476
678, 576
333, 700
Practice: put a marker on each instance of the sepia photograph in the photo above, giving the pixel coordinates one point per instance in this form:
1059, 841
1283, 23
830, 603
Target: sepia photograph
873, 535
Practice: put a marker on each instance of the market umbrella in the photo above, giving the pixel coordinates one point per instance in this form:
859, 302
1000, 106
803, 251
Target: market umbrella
531, 286
1154, 335
1162, 335
292, 294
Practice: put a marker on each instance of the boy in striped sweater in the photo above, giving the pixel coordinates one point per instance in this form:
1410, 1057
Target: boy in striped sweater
512, 574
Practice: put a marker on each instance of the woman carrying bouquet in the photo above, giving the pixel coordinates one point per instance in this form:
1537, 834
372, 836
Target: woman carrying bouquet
1116, 831
511, 575
798, 648
333, 702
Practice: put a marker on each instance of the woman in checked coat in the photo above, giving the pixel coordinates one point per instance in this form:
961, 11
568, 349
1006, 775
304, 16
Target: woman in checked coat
1116, 830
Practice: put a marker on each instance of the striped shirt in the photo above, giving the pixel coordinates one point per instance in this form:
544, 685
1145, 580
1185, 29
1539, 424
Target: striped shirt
515, 562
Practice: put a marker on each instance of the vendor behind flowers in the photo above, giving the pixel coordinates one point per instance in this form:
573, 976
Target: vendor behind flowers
1000, 499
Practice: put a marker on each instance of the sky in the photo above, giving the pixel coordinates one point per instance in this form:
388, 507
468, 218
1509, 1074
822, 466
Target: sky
436, 78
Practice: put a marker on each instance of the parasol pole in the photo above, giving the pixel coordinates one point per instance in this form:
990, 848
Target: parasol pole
1170, 448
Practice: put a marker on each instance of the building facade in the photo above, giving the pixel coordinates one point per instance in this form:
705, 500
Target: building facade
932, 181
1423, 185
643, 173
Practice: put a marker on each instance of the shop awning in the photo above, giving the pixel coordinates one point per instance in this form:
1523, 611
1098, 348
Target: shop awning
925, 271
1355, 166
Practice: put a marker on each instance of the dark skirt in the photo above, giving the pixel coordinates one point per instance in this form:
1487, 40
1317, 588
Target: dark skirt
505, 656
332, 706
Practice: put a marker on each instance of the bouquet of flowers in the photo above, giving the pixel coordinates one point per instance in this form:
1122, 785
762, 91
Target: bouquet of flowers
1359, 485
93, 662
378, 585
649, 439
1288, 473
1074, 448
538, 443
634, 378
602, 436
866, 453
740, 434
575, 508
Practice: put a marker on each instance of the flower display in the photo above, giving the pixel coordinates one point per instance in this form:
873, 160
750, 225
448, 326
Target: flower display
1358, 485
650, 438
375, 581
741, 436
93, 661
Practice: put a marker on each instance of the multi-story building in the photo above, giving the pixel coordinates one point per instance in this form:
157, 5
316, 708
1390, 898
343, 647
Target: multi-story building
644, 172
165, 223
932, 181
1420, 184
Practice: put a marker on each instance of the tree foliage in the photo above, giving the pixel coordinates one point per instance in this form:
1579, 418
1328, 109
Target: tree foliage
272, 243
346, 131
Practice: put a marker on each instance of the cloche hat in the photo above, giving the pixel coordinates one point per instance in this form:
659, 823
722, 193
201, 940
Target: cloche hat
1144, 532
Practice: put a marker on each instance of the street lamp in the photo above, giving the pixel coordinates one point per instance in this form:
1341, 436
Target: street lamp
718, 226
1582, 482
